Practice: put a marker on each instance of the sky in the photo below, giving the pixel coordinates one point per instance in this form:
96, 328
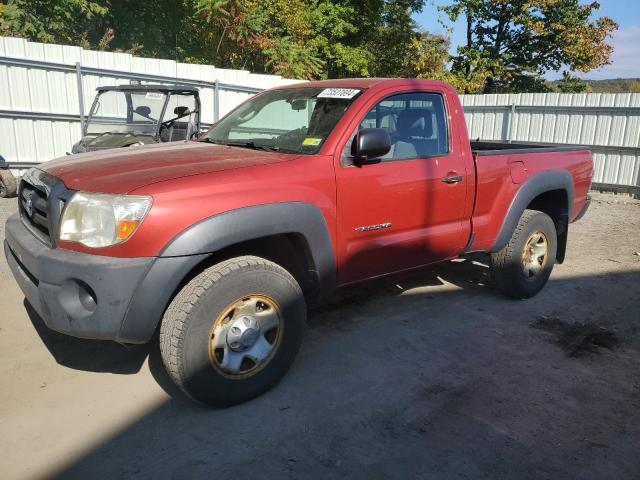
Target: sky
625, 61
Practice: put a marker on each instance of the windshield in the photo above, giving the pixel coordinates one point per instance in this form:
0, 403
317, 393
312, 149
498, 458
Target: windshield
117, 111
290, 120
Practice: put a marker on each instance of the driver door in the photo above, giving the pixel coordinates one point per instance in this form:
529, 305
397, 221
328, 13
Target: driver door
401, 213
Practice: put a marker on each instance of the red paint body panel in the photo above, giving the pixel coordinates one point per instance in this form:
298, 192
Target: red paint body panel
430, 220
122, 170
184, 201
496, 187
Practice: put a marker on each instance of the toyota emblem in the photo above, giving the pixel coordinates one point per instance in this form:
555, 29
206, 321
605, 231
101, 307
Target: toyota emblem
29, 206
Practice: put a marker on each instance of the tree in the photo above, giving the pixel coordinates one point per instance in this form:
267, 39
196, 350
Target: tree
572, 84
47, 21
512, 44
306, 39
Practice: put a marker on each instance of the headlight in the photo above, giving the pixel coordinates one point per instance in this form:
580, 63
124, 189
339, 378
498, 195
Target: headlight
101, 220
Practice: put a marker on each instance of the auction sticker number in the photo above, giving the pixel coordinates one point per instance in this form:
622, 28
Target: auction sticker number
338, 93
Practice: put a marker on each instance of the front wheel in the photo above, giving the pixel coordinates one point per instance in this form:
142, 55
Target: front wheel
233, 331
522, 268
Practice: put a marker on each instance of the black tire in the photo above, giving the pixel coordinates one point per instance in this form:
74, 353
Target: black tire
185, 331
8, 184
506, 265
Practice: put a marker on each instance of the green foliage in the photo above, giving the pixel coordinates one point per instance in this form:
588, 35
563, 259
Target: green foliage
513, 43
291, 60
60, 21
510, 44
572, 84
617, 85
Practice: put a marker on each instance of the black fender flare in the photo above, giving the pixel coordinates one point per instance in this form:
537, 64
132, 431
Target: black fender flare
250, 223
536, 185
202, 239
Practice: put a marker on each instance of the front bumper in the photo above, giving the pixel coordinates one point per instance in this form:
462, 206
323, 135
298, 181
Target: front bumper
91, 296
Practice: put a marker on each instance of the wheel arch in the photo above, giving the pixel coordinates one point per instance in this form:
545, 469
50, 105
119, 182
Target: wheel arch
293, 234
550, 192
301, 223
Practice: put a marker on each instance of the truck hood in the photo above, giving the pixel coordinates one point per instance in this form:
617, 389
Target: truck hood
126, 169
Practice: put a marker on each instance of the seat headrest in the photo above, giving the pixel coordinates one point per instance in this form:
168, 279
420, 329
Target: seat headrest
415, 122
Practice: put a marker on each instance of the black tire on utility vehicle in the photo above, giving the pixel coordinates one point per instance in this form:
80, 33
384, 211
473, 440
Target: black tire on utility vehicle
8, 184
233, 331
522, 268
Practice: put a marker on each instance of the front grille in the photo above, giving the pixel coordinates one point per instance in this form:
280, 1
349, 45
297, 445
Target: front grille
35, 210
41, 198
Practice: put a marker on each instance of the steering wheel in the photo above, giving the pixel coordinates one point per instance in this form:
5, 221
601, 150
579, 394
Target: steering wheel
292, 138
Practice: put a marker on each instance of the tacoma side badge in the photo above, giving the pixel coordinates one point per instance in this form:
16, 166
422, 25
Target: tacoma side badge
377, 226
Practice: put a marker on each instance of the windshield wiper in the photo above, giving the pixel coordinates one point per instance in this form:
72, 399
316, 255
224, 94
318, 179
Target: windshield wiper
253, 146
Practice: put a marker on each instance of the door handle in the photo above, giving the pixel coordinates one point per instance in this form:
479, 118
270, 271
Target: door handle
453, 179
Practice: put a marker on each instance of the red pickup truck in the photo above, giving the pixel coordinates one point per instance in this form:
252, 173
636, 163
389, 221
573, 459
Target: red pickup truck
221, 242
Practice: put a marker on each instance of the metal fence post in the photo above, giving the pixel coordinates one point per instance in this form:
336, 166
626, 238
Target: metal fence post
512, 117
216, 101
80, 96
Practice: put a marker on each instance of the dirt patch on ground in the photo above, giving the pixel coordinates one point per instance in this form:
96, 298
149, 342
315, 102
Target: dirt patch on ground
577, 339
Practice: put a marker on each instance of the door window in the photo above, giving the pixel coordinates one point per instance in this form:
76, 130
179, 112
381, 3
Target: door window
416, 123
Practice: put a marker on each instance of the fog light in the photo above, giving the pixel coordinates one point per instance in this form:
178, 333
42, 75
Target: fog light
87, 296
77, 299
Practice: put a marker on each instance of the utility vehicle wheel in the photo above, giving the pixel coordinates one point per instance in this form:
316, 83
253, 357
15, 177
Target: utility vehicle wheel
522, 268
8, 184
233, 331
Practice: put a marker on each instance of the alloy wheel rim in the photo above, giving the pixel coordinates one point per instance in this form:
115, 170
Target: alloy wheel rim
534, 255
245, 336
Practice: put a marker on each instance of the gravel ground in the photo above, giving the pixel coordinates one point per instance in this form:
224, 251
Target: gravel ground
429, 375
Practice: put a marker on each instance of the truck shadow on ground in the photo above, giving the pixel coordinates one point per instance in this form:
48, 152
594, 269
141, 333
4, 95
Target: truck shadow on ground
396, 394
88, 355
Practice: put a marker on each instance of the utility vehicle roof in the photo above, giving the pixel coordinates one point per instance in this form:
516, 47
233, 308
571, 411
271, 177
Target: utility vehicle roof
151, 88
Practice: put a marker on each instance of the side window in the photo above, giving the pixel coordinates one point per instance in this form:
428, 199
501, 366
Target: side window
416, 123
181, 117
181, 107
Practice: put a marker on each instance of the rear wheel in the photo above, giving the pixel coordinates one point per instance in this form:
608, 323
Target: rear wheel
522, 268
233, 331
8, 184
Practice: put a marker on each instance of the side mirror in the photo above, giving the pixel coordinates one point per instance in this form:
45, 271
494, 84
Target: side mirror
369, 144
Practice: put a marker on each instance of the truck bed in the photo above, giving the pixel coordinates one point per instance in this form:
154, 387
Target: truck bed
502, 168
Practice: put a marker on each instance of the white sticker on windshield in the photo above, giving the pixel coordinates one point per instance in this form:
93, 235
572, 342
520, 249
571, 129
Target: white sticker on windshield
153, 96
338, 93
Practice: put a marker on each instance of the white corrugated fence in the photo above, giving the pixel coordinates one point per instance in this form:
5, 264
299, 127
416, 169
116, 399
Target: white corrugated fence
40, 105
